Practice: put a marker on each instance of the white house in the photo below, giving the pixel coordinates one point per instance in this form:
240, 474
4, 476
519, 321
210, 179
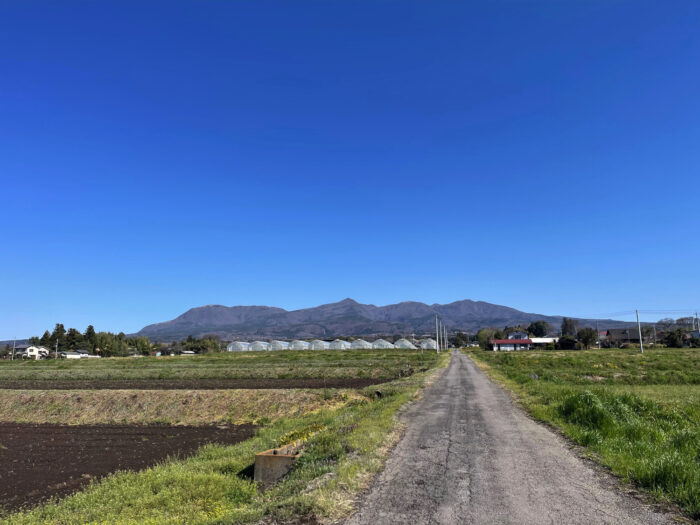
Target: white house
405, 344
37, 352
509, 345
238, 346
361, 344
382, 344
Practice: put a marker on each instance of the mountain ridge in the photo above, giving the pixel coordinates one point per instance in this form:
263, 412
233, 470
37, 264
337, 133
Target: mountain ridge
347, 318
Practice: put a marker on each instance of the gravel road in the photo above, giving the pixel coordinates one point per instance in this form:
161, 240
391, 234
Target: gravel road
470, 456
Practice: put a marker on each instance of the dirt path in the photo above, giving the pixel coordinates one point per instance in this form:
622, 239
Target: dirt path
470, 456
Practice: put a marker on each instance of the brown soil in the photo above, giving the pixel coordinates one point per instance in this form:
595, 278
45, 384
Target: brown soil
42, 461
189, 384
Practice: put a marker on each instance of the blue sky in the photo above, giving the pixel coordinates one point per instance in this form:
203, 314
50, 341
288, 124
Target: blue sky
156, 156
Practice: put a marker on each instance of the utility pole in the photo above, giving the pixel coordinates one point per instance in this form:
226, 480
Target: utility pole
698, 320
639, 327
597, 335
654, 326
446, 339
55, 355
437, 336
14, 343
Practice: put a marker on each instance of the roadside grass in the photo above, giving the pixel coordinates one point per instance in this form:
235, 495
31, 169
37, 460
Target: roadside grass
638, 413
382, 364
345, 446
166, 407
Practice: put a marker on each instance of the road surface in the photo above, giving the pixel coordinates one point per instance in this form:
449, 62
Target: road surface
470, 456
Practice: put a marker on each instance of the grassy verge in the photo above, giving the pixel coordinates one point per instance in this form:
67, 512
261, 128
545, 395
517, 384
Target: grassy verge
638, 414
171, 407
345, 446
383, 364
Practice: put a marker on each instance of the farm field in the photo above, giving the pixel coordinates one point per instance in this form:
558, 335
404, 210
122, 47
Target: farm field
250, 367
638, 414
55, 460
346, 434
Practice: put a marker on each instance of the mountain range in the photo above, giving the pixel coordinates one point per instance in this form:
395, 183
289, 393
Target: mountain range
347, 318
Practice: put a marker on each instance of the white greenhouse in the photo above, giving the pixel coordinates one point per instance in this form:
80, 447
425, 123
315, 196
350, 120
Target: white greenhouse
238, 346
339, 344
360, 344
317, 344
428, 344
382, 344
279, 345
259, 345
405, 344
299, 345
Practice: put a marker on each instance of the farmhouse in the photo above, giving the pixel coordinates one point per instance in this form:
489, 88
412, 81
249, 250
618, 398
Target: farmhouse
619, 336
543, 341
509, 345
36, 352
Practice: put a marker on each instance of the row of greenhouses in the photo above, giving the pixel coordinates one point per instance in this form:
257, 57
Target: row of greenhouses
337, 344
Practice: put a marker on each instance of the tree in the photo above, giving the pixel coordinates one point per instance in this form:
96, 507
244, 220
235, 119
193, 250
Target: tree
567, 342
91, 337
675, 338
538, 328
484, 337
587, 336
568, 327
685, 322
45, 339
666, 323
74, 339
460, 340
58, 336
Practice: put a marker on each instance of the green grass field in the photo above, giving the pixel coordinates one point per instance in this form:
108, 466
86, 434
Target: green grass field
383, 364
638, 413
345, 444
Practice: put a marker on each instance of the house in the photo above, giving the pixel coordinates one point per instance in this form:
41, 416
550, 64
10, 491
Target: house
71, 355
618, 336
36, 352
543, 341
509, 345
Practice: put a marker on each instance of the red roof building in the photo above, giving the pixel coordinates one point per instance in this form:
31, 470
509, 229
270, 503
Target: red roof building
509, 345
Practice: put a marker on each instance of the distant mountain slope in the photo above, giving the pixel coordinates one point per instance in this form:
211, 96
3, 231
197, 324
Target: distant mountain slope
345, 318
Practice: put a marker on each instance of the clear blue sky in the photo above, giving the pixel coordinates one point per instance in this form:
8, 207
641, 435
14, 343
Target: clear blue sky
156, 156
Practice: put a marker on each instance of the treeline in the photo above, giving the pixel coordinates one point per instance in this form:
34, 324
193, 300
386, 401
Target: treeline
669, 332
108, 344
105, 344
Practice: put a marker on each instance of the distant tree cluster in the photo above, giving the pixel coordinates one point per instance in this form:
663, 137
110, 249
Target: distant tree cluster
108, 344
103, 343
